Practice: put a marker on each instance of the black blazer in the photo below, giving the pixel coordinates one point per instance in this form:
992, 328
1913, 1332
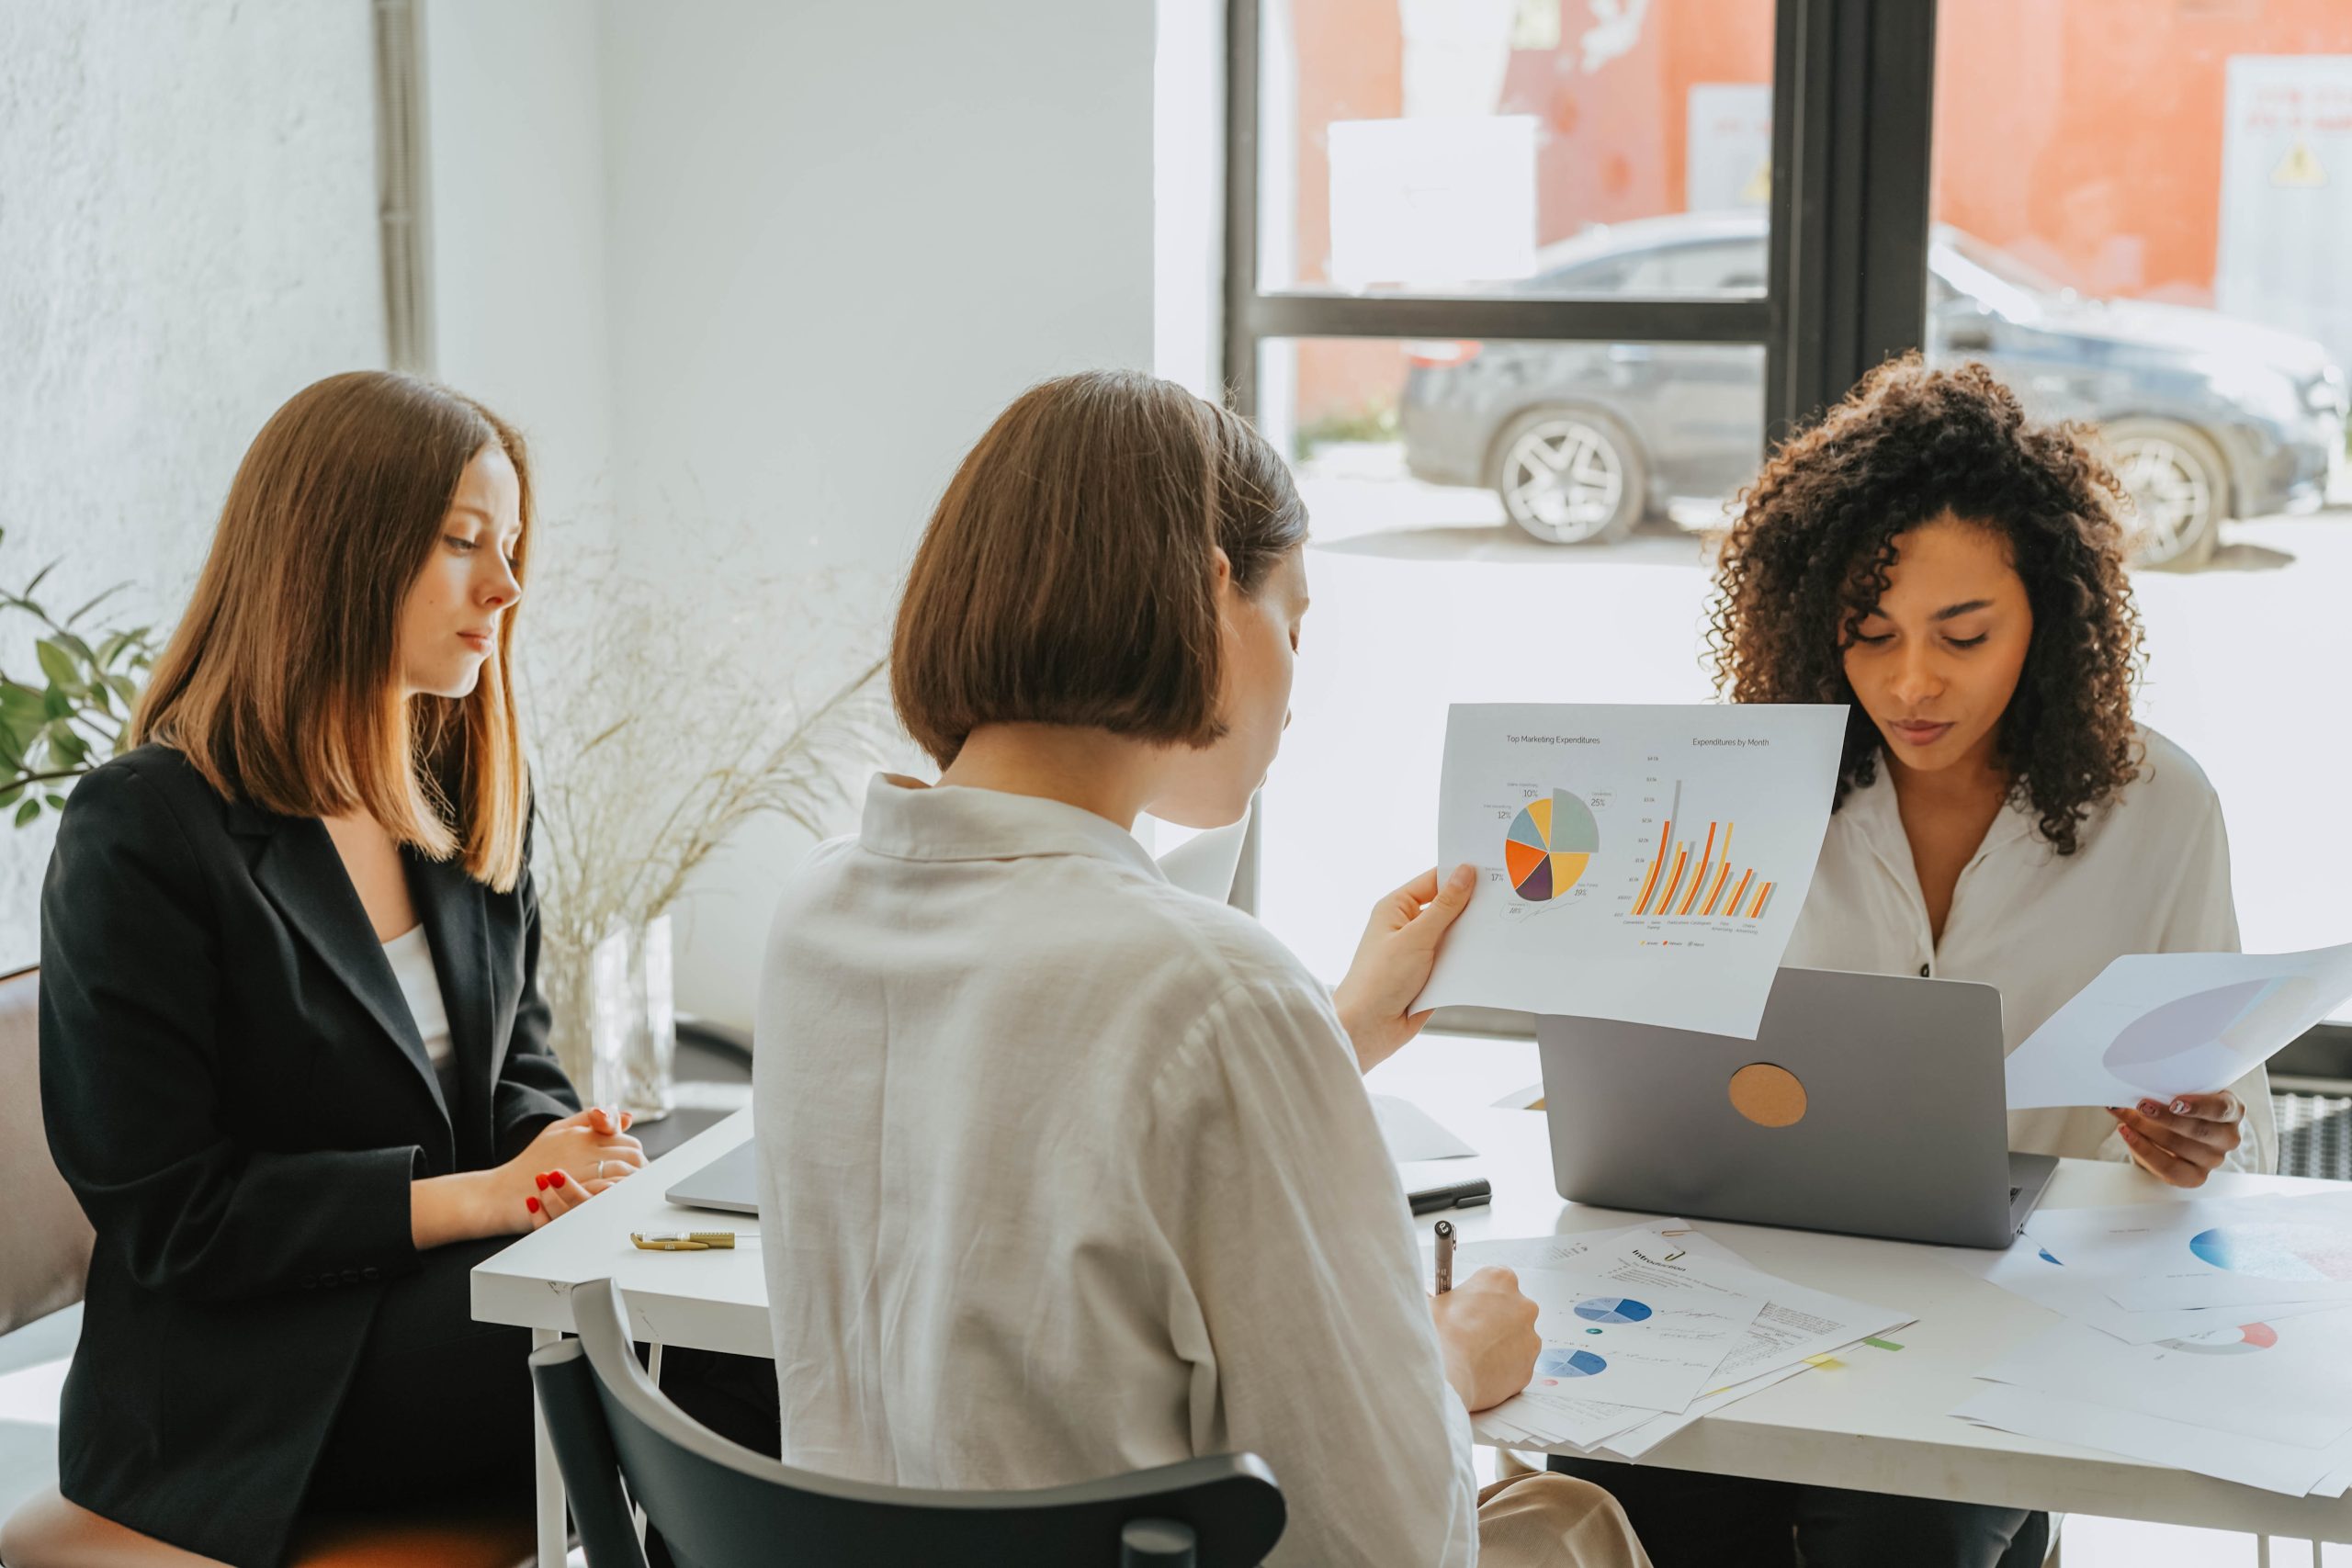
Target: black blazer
234, 1088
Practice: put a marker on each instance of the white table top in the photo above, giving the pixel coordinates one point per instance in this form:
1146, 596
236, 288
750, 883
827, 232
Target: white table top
1878, 1422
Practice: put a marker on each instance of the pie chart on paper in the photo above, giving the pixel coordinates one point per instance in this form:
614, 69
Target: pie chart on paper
2210, 1037
1613, 1309
1565, 1363
1549, 845
2238, 1341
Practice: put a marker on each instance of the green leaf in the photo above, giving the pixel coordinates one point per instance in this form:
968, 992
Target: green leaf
55, 703
76, 647
57, 664
56, 801
94, 603
126, 688
8, 796
27, 812
21, 707
65, 744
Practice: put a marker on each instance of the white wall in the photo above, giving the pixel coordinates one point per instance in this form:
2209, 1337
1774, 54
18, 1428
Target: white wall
516, 209
188, 236
832, 242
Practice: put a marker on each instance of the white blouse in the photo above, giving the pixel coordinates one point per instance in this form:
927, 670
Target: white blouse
411, 957
1065, 1171
2152, 874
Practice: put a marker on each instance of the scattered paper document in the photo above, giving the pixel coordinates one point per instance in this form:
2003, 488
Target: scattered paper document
1644, 863
2288, 1382
1412, 1134
1794, 1328
2034, 1269
2172, 1023
2209, 1252
2251, 1461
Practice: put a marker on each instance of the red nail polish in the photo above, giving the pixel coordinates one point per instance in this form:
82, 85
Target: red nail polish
532, 1204
542, 1179
555, 1178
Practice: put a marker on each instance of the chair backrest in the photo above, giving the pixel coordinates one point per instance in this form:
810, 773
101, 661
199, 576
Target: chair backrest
718, 1504
43, 1233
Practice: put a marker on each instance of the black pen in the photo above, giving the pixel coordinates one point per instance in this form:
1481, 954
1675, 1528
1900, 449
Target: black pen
1444, 1255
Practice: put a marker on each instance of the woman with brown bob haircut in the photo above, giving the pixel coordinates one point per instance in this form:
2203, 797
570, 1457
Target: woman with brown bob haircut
1953, 573
1067, 1170
294, 1057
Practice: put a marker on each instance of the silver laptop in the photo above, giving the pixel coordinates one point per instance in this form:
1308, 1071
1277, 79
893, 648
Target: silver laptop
731, 1182
1868, 1104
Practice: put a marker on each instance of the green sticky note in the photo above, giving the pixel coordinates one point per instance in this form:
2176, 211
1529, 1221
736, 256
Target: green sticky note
1883, 1344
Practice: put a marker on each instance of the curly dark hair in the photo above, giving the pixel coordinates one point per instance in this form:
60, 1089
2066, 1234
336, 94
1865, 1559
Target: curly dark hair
1808, 557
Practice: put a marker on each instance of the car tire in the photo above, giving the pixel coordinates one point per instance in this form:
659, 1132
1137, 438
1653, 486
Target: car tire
2179, 488
1570, 476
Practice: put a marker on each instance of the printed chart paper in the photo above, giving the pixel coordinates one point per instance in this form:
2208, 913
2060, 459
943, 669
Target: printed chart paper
1643, 863
2034, 1269
1795, 1324
2290, 1381
2170, 1023
2208, 1252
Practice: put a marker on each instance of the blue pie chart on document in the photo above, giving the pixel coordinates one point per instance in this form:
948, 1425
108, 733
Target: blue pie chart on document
1565, 1363
1612, 1309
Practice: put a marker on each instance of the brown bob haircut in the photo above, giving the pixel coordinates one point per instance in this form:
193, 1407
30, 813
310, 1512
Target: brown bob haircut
281, 684
1066, 576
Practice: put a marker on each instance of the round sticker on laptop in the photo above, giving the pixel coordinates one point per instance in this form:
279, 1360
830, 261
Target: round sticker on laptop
1767, 1096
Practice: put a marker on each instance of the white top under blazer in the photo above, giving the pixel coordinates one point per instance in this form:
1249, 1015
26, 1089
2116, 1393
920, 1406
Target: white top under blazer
2151, 874
1066, 1171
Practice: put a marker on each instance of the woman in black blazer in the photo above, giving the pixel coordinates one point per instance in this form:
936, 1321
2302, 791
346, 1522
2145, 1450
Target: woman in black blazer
292, 1154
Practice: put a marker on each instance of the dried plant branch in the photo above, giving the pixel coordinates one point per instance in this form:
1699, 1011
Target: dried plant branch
658, 730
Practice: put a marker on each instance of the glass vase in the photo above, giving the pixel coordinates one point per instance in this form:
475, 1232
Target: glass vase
614, 1027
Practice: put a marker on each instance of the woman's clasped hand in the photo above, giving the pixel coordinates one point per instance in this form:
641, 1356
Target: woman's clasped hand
570, 1162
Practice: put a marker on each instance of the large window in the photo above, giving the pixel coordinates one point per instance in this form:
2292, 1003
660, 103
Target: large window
2143, 214
1522, 286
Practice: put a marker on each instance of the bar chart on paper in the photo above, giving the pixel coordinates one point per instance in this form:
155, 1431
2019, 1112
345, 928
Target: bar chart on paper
1695, 876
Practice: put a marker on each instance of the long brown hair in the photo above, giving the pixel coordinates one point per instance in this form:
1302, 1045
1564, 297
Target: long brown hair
1066, 578
281, 684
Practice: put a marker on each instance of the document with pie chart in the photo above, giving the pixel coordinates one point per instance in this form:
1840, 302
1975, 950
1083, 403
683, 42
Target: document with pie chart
2170, 1023
1639, 863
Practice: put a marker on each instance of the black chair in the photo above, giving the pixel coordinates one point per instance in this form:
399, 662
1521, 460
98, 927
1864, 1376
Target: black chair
718, 1504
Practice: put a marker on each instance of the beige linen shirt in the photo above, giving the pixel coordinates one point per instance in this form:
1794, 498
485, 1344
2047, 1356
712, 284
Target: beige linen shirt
2152, 874
1067, 1172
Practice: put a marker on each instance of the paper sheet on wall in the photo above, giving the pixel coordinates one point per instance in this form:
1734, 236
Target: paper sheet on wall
2168, 1023
1644, 863
2208, 1252
2287, 1382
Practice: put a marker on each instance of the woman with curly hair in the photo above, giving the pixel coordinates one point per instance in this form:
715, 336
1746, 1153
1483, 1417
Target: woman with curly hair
1954, 574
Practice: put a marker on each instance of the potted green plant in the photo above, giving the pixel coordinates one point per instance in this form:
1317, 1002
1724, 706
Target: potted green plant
91, 673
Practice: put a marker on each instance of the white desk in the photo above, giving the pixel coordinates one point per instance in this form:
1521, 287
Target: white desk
1877, 1422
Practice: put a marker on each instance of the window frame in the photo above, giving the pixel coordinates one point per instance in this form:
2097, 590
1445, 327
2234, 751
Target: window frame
1846, 268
